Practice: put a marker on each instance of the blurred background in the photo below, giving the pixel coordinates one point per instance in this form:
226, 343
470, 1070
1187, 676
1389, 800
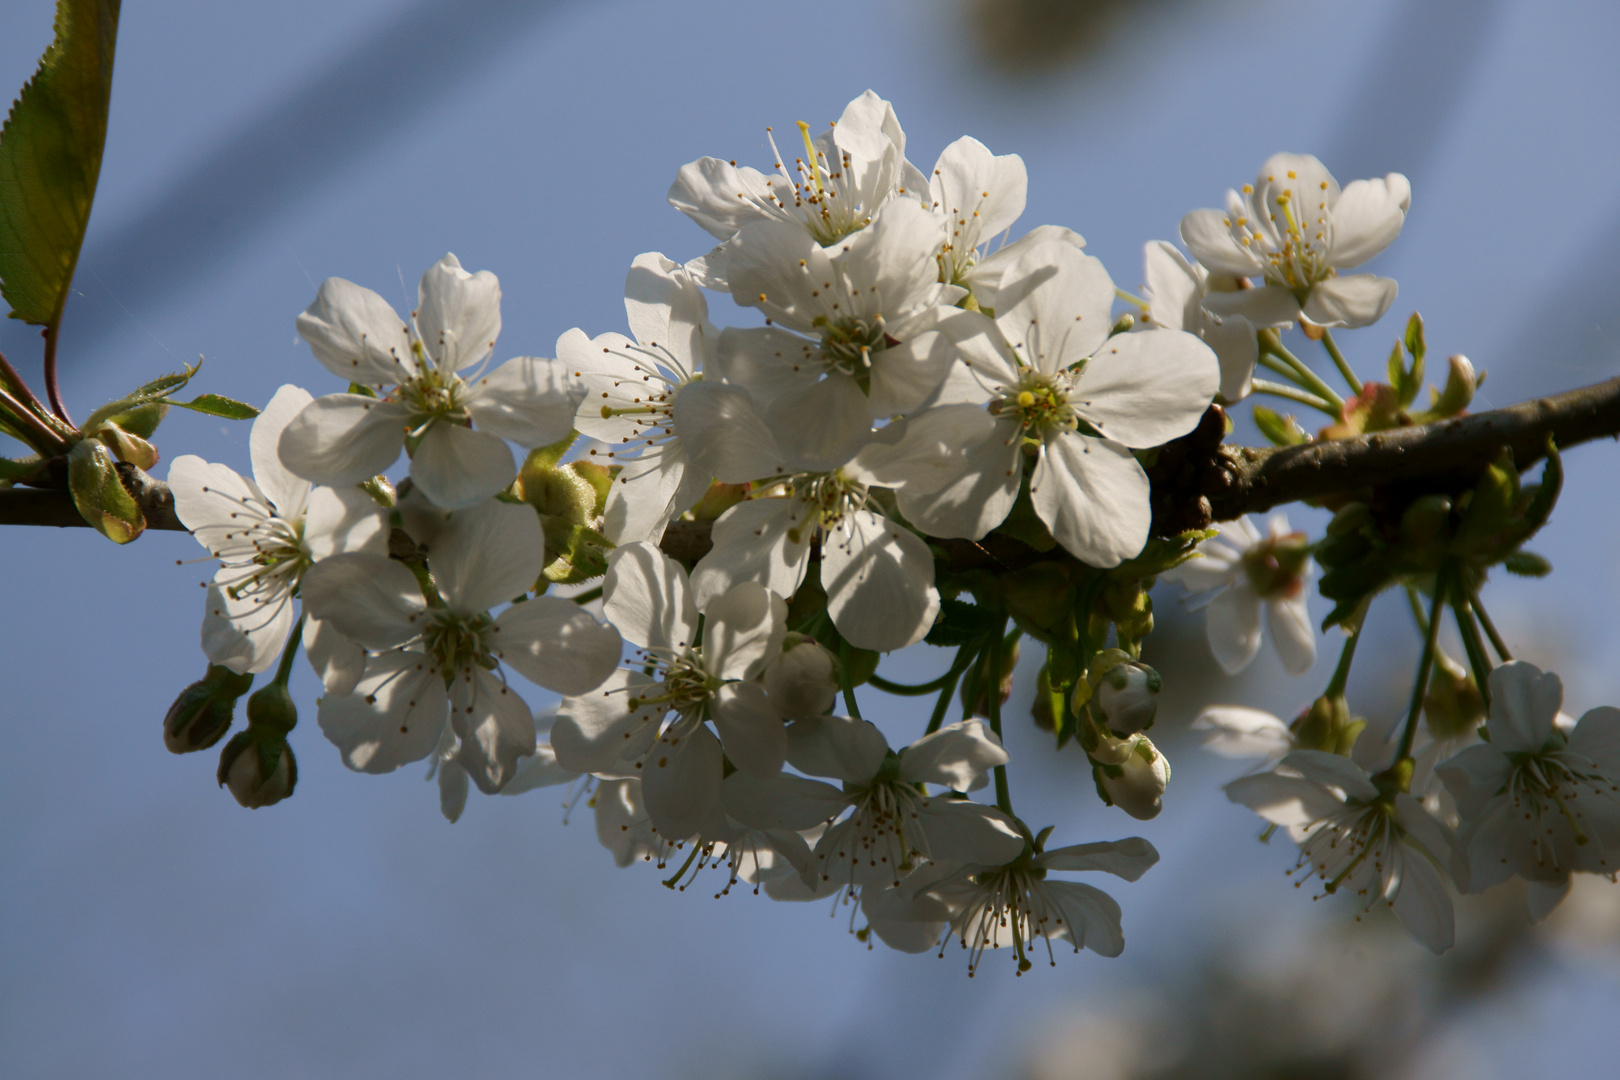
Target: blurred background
151, 928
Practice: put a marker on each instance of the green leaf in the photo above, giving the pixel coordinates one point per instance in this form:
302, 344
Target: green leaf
219, 405
548, 457
100, 495
50, 158
1527, 564
12, 470
1281, 430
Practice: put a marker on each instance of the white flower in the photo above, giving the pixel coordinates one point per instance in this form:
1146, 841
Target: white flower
1377, 845
854, 168
1133, 773
631, 388
977, 195
443, 657
539, 770
1176, 290
346, 438
1015, 902
1297, 230
878, 825
854, 329
693, 678
1052, 377
266, 532
1534, 801
1237, 574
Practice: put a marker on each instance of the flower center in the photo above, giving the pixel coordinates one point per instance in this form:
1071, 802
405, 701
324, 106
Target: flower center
1038, 401
832, 497
1276, 566
848, 346
455, 642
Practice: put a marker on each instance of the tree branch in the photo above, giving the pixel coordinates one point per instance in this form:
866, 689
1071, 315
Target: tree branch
1196, 480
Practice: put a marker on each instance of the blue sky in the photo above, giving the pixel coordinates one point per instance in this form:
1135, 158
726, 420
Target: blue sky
148, 927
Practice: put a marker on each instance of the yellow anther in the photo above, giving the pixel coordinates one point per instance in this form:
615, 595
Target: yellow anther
1025, 399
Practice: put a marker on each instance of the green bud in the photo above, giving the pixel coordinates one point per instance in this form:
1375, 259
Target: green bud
1458, 393
1326, 725
1453, 705
980, 706
1128, 698
203, 712
259, 768
272, 709
1425, 520
1352, 517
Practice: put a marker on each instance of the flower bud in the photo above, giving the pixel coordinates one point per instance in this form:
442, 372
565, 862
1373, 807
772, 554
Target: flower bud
981, 703
1128, 698
1132, 775
803, 680
1453, 706
1327, 725
272, 710
1461, 383
259, 768
203, 712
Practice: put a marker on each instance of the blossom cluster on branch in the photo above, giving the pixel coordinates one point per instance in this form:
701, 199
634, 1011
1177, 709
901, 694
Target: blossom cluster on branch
913, 369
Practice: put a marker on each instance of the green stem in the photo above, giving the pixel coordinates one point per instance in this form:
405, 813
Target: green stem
1340, 362
18, 386
1490, 628
588, 595
51, 390
849, 686
1477, 660
20, 416
953, 673
1302, 373
284, 672
1341, 674
1425, 665
1417, 610
1265, 386
998, 652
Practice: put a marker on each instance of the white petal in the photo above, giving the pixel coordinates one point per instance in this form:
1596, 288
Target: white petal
596, 729
495, 726
1367, 217
244, 634
959, 830
980, 193
1265, 306
539, 771
1283, 800
957, 756
1146, 389
356, 335
1129, 858
368, 599
452, 790
879, 579
1543, 897
1209, 238
1292, 633
1236, 731
1357, 300
458, 314
907, 925
978, 496
344, 519
342, 439
527, 400
1597, 738
649, 492
781, 801
667, 311
904, 375
681, 784
1173, 287
767, 361
725, 434
1423, 906
763, 540
557, 644
926, 451
393, 717
1474, 776
289, 493
1233, 340
1053, 305
718, 195
487, 555
1093, 495
337, 661
1524, 701
837, 746
1232, 626
1333, 771
822, 427
750, 729
457, 467
1089, 917
743, 630
646, 595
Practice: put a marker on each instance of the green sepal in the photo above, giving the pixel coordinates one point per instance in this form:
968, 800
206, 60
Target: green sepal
219, 405
155, 392
99, 494
574, 553
50, 159
548, 457
1527, 564
12, 470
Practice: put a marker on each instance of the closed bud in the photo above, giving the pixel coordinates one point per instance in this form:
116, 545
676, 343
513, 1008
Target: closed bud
1327, 725
980, 705
803, 680
259, 768
1132, 775
203, 712
1453, 707
1127, 698
1461, 382
272, 710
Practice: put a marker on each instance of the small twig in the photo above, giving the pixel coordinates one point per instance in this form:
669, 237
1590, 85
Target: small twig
18, 386
1302, 397
51, 390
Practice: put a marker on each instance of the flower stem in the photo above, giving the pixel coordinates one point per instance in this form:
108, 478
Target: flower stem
1490, 628
965, 658
1339, 361
1341, 674
1302, 374
1477, 660
9, 375
998, 654
913, 690
587, 596
849, 686
1442, 582
284, 671
1265, 386
51, 390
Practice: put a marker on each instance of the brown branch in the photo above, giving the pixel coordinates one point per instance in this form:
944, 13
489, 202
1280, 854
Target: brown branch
1207, 481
